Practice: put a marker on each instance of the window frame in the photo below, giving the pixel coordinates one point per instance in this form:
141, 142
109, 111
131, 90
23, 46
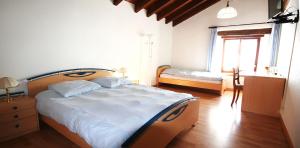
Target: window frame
240, 38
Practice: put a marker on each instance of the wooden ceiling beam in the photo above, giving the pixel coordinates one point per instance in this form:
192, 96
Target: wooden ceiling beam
117, 2
175, 11
183, 10
171, 8
194, 11
131, 1
158, 6
141, 4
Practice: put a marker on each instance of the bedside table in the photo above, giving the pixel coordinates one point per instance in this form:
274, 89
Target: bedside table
17, 117
135, 81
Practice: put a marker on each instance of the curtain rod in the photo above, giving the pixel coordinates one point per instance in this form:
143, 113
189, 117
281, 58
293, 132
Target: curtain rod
240, 25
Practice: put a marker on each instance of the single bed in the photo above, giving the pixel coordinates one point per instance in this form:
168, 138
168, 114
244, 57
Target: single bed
126, 116
198, 79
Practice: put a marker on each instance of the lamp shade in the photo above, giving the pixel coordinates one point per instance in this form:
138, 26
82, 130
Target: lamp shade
7, 82
123, 70
227, 12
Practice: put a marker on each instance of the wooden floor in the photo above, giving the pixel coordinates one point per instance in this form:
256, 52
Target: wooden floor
219, 126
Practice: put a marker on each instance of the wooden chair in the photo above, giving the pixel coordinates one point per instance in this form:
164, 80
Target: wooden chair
237, 86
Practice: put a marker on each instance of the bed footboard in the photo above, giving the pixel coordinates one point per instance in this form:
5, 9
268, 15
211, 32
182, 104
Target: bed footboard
162, 128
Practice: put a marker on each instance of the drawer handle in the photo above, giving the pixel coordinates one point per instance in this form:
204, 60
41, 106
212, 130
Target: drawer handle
17, 126
15, 107
16, 116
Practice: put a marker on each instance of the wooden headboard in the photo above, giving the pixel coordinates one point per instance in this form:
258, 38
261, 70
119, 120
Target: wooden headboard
159, 70
40, 83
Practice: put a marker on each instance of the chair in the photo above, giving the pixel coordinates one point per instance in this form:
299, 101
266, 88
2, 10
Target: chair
237, 86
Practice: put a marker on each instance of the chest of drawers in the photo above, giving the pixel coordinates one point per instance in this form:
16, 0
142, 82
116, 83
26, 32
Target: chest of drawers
18, 117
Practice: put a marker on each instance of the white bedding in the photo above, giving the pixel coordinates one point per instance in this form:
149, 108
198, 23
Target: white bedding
107, 117
191, 79
191, 74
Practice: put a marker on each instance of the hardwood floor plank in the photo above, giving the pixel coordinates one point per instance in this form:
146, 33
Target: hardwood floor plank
219, 126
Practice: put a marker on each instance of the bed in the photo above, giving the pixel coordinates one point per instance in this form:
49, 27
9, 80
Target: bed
126, 116
198, 79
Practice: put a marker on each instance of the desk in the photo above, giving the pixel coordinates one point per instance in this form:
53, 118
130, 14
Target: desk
263, 94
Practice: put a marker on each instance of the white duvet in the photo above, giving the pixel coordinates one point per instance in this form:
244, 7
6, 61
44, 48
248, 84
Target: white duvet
107, 117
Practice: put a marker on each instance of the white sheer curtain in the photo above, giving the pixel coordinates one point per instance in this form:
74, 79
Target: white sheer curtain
275, 41
211, 48
216, 64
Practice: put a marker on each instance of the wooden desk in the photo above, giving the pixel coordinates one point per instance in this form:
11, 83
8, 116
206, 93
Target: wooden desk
263, 94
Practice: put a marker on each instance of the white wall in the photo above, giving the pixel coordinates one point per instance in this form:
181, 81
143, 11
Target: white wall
285, 48
38, 36
191, 38
290, 109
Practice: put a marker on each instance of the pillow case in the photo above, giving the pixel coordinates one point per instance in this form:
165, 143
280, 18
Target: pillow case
174, 71
73, 88
110, 82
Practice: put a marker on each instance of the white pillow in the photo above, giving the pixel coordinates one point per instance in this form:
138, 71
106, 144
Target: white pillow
73, 88
108, 82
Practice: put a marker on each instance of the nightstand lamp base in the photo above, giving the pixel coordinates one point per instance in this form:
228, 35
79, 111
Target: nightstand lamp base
8, 98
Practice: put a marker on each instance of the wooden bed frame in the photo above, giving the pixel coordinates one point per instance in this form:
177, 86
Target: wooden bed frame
219, 88
157, 132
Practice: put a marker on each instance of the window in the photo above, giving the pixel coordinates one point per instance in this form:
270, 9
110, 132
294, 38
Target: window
240, 52
241, 48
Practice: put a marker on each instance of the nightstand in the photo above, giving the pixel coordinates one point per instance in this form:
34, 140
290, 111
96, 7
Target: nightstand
135, 81
17, 117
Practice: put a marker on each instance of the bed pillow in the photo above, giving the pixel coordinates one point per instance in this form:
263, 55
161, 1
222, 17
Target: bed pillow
173, 71
108, 82
73, 88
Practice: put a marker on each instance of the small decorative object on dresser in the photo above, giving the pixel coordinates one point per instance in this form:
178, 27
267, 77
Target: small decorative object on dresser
18, 117
7, 83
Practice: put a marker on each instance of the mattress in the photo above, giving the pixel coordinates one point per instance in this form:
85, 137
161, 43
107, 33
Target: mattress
107, 117
190, 79
192, 75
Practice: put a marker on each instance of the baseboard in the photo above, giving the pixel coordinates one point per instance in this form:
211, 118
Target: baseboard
286, 133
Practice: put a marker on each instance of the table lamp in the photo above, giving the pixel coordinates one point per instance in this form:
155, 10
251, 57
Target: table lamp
7, 83
123, 71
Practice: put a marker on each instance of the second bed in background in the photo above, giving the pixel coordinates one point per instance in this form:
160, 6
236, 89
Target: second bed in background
198, 79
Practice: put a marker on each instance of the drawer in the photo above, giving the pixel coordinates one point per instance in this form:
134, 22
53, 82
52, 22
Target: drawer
18, 127
9, 117
16, 106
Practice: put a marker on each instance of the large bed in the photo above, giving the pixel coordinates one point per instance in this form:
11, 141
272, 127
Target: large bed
126, 116
183, 77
